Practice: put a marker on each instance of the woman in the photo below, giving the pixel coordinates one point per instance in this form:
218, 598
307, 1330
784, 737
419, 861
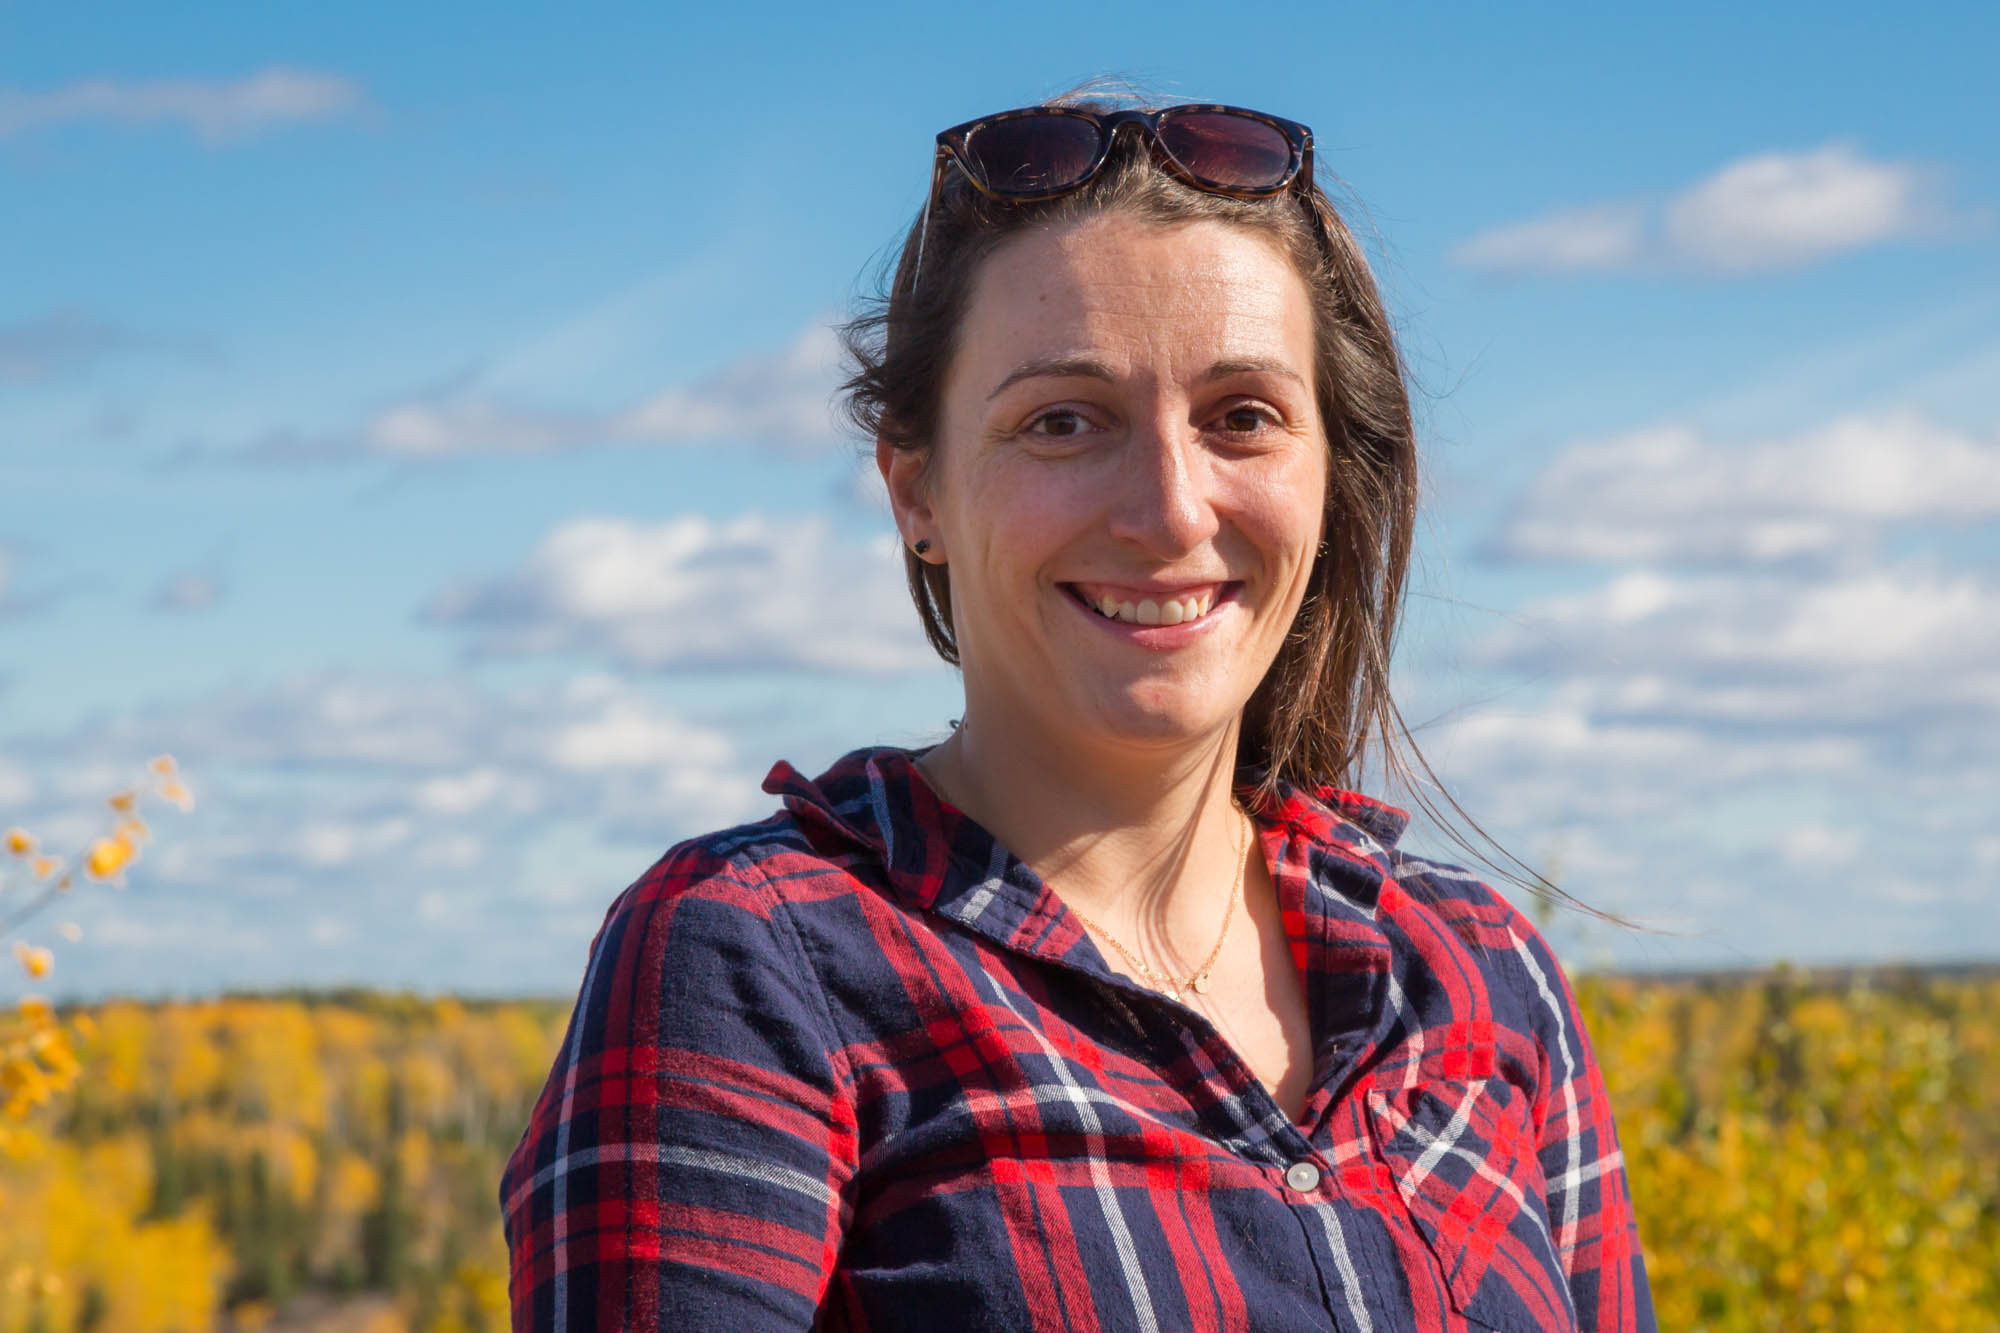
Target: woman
1114, 1010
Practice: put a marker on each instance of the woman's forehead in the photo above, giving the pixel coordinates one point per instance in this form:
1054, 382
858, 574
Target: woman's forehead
1122, 290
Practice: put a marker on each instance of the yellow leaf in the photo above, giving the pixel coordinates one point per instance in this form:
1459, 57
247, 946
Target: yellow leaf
44, 866
122, 802
108, 857
34, 960
20, 841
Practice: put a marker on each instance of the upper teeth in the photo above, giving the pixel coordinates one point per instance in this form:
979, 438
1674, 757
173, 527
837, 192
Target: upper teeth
1146, 611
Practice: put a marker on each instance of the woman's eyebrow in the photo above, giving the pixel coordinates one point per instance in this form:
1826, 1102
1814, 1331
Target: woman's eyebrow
1222, 370
1054, 367
1089, 367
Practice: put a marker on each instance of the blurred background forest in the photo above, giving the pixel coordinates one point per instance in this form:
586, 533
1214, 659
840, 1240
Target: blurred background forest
1806, 1152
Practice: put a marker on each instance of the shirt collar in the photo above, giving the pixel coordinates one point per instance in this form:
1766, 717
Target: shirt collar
875, 803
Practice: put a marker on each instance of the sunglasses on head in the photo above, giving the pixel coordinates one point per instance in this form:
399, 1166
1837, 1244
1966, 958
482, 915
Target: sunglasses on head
1041, 152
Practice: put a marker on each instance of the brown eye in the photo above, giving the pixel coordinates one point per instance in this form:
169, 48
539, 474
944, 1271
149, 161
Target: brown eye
1060, 424
1243, 420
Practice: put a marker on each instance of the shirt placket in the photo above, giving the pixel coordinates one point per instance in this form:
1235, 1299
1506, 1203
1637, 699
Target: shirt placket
1328, 1183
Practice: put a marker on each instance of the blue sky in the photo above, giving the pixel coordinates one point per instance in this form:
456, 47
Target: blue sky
380, 394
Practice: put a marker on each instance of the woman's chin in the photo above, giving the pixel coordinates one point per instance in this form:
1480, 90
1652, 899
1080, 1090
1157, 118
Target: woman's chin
1153, 719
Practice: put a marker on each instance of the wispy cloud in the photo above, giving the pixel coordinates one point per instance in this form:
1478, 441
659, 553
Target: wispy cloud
784, 397
1778, 710
692, 593
54, 345
186, 592
216, 112
1896, 645
405, 829
1767, 211
1604, 236
781, 399
1670, 494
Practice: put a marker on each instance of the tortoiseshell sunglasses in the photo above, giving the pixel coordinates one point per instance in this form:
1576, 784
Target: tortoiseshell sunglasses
1040, 152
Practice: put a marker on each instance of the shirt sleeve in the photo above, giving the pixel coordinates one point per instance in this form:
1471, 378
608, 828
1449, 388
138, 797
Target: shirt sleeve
1589, 1202
684, 1166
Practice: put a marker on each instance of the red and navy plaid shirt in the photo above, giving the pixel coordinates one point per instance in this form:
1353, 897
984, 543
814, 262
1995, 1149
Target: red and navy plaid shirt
855, 1067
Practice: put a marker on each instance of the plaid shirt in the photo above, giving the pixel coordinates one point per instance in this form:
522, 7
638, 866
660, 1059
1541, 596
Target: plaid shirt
855, 1067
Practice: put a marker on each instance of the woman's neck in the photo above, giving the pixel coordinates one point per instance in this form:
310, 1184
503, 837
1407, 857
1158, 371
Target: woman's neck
1148, 838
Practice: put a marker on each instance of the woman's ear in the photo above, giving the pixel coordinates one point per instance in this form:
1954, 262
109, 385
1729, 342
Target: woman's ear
903, 473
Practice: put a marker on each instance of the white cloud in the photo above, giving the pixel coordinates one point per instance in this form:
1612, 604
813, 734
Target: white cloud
1707, 614
781, 398
434, 749
1818, 845
1778, 210
627, 735
17, 785
1775, 705
1573, 756
1607, 236
464, 425
335, 844
459, 793
308, 812
455, 851
1901, 616
1669, 494
327, 930
217, 112
1765, 211
691, 593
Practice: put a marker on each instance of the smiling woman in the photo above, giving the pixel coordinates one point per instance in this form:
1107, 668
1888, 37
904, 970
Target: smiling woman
1116, 1009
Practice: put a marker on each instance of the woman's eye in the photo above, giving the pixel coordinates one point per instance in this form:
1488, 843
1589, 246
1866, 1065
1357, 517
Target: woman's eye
1244, 419
1059, 423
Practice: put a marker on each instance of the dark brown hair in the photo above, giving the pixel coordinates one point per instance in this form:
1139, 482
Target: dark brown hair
1325, 698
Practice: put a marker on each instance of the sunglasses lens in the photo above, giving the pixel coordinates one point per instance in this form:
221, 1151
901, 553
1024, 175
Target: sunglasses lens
1235, 152
1033, 154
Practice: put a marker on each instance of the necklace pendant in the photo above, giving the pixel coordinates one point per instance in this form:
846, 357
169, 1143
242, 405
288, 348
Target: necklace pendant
1201, 984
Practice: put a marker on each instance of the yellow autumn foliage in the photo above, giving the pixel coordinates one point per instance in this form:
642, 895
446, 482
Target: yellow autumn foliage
288, 1146
95, 1256
1805, 1152
1810, 1153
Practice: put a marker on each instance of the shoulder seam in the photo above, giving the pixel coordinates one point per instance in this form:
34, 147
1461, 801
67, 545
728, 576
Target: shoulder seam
781, 917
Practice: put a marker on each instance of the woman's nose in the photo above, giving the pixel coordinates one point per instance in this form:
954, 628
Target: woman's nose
1163, 502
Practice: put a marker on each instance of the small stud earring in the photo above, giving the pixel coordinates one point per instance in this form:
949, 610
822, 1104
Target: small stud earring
922, 545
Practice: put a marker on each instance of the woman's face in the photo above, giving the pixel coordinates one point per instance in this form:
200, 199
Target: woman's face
1129, 479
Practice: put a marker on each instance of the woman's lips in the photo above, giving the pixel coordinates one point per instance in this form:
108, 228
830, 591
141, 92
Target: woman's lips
1148, 607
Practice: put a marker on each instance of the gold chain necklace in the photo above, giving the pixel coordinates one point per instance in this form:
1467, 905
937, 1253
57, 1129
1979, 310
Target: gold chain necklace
1197, 981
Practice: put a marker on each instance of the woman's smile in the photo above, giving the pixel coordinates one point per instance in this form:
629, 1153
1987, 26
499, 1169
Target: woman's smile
1189, 607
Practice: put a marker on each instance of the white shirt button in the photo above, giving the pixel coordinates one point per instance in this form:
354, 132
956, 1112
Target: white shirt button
1302, 1176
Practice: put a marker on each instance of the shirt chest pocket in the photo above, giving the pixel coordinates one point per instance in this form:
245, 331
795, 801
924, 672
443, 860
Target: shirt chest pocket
1463, 1158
